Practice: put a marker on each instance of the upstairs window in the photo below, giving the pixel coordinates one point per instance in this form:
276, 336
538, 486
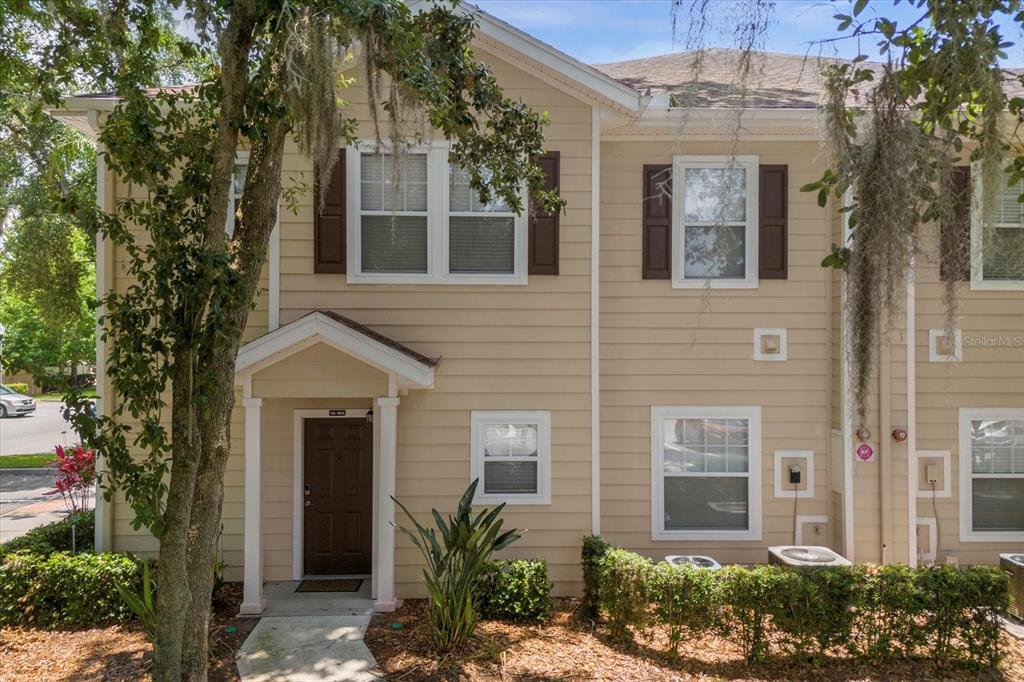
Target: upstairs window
715, 221
393, 214
237, 186
997, 253
423, 223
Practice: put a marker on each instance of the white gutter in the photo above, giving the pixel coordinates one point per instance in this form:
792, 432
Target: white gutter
595, 321
912, 481
848, 525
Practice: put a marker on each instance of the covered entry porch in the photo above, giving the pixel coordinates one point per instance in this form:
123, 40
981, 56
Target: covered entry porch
321, 397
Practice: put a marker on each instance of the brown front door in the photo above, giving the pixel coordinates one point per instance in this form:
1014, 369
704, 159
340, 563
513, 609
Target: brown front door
338, 496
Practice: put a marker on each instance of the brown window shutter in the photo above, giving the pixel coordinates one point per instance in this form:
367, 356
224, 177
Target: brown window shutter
772, 237
543, 234
657, 225
955, 236
329, 222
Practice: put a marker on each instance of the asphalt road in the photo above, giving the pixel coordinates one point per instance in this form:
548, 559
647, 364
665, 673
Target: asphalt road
38, 432
24, 503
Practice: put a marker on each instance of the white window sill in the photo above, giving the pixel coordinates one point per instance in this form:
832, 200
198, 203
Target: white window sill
398, 278
511, 500
706, 535
714, 284
991, 536
996, 285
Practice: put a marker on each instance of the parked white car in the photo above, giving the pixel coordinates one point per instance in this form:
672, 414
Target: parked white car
14, 404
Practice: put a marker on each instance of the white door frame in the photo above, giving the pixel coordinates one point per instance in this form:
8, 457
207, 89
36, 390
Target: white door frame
299, 474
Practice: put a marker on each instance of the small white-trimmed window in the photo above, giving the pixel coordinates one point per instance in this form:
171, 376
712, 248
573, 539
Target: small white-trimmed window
706, 473
714, 235
423, 223
992, 475
997, 250
511, 455
237, 185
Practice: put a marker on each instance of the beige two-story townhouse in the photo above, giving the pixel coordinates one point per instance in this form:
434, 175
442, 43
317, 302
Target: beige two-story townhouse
605, 370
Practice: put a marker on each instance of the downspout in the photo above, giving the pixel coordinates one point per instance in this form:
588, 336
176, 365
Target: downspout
848, 521
912, 481
595, 321
885, 449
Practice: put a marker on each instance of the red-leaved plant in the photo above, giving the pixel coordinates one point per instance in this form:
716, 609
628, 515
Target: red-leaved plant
76, 473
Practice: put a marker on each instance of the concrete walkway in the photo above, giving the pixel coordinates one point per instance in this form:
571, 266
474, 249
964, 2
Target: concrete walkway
310, 637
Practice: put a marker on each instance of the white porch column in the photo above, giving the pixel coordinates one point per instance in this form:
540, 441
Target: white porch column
252, 596
385, 415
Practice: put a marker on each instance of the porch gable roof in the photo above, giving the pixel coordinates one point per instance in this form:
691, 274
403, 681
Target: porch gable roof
410, 368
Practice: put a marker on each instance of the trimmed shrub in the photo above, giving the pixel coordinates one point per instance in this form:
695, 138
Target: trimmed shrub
948, 614
18, 387
56, 536
594, 549
687, 601
814, 608
889, 606
516, 590
961, 612
625, 591
65, 589
752, 595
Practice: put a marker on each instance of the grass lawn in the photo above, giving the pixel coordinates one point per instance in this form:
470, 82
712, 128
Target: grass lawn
569, 647
88, 393
36, 461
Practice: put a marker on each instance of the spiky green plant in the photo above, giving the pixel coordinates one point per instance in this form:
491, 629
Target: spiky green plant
142, 605
456, 553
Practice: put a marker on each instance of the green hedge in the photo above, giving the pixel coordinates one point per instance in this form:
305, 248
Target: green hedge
18, 387
517, 590
943, 613
594, 549
65, 589
56, 536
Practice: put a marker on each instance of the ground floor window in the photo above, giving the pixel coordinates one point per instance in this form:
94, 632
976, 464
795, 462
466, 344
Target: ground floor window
992, 474
706, 473
511, 455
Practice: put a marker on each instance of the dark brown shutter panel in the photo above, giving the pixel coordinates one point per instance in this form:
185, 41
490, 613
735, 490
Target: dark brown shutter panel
329, 223
955, 236
772, 237
543, 235
657, 225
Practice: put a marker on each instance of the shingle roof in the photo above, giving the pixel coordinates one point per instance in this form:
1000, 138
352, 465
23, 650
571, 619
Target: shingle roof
777, 81
380, 338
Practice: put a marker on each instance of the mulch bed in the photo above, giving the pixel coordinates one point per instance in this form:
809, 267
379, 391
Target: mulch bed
569, 647
117, 652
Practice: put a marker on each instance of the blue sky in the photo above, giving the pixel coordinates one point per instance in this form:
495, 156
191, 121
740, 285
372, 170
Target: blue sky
596, 31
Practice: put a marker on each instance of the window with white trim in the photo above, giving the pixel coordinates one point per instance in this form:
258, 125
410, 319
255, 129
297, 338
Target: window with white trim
511, 456
706, 473
992, 474
714, 220
424, 223
997, 249
237, 186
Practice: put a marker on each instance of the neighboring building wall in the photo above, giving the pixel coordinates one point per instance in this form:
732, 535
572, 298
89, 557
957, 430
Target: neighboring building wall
988, 376
665, 346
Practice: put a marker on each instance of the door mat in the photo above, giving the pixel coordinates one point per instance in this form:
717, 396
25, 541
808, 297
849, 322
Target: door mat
337, 585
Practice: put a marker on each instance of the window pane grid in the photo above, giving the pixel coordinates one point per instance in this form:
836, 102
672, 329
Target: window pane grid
700, 447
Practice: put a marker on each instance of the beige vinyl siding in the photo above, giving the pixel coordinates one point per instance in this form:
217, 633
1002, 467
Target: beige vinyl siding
502, 347
986, 377
664, 346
